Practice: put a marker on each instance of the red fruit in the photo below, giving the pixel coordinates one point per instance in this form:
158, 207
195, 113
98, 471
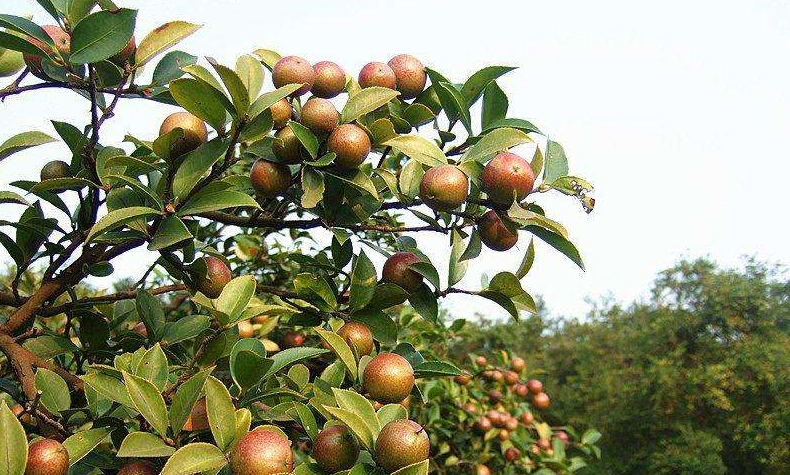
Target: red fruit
377, 74
396, 271
270, 179
47, 457
481, 361
507, 175
336, 449
496, 375
527, 418
140, 467
216, 277
125, 55
484, 424
541, 401
518, 364
494, 233
470, 408
444, 188
544, 444
358, 336
534, 386
293, 339
511, 377
194, 130
198, 417
388, 378
262, 452
503, 435
511, 454
563, 436
521, 390
319, 115
245, 329
462, 379
410, 75
350, 143
330, 79
141, 330
293, 70
281, 113
483, 470
401, 443
495, 396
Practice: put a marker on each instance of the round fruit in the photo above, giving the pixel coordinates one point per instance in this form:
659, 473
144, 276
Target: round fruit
245, 329
336, 449
496, 375
541, 401
194, 132
563, 436
462, 379
270, 179
55, 169
60, 38
358, 336
293, 70
350, 143
503, 435
262, 452
401, 443
470, 408
494, 232
293, 339
444, 188
320, 116
198, 417
330, 79
270, 346
140, 467
511, 377
288, 149
511, 424
512, 454
484, 424
507, 175
481, 361
11, 62
388, 378
544, 444
483, 470
534, 386
410, 75
521, 390
495, 396
216, 277
377, 74
281, 113
518, 364
527, 418
47, 457
396, 271
125, 55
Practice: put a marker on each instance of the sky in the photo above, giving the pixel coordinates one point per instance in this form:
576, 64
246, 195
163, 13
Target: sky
678, 112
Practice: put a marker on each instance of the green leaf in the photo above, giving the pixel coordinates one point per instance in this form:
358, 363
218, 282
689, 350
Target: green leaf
356, 424
235, 87
143, 444
185, 328
169, 67
590, 436
268, 57
250, 72
290, 356
341, 349
316, 290
13, 443
366, 100
410, 178
363, 282
495, 105
148, 401
153, 367
435, 369
47, 347
151, 314
502, 300
266, 100
101, 35
391, 412
142, 190
457, 267
556, 162
55, 394
358, 179
13, 42
360, 405
79, 9
520, 124
454, 104
248, 363
221, 413
200, 99
312, 187
418, 114
384, 329
108, 386
59, 184
419, 468
171, 231
23, 25
424, 302
559, 243
235, 297
185, 398
118, 218
82, 443
216, 196
418, 148
474, 86
306, 137
526, 262
506, 283
193, 458
161, 39
23, 141
427, 270
498, 140
196, 164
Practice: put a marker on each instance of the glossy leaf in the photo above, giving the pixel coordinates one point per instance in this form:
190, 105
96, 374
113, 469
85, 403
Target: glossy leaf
13, 443
55, 394
82, 443
498, 140
101, 35
235, 297
221, 413
145, 445
418, 148
161, 39
366, 100
148, 401
185, 398
23, 141
194, 458
363, 282
196, 164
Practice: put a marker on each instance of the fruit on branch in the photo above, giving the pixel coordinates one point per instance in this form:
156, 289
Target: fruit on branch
293, 339
563, 436
320, 116
470, 407
527, 418
511, 454
396, 271
288, 148
495, 396
503, 435
521, 390
376, 74
518, 364
336, 449
481, 361
444, 188
511, 377
511, 424
60, 38
47, 457
484, 424
541, 401
55, 169
11, 62
544, 444
217, 275
410, 75
245, 329
388, 378
462, 379
350, 143
506, 176
293, 70
400, 443
126, 54
140, 467
358, 336
494, 233
262, 452
330, 79
281, 113
194, 132
198, 417
270, 179
483, 470
534, 386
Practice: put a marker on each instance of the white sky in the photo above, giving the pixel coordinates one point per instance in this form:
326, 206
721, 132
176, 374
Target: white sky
677, 111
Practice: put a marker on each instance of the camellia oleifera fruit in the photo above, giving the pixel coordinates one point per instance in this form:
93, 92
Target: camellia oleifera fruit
388, 378
541, 401
444, 188
216, 277
350, 143
194, 132
494, 233
126, 54
198, 417
262, 452
330, 79
55, 169
410, 75
293, 70
396, 271
61, 40
336, 449
270, 179
281, 113
400, 443
140, 467
320, 116
47, 457
507, 176
287, 148
358, 336
376, 74
11, 62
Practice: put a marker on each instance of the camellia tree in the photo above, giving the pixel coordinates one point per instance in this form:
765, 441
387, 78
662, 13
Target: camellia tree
261, 340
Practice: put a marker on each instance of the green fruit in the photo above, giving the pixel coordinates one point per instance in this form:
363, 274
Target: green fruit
388, 378
55, 169
444, 188
288, 148
281, 113
330, 79
47, 457
141, 467
396, 271
293, 70
410, 75
401, 443
494, 233
350, 143
11, 62
358, 336
270, 179
216, 277
376, 74
262, 452
507, 176
194, 132
320, 116
336, 449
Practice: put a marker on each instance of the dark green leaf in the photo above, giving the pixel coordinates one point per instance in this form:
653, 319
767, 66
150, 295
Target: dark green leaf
101, 35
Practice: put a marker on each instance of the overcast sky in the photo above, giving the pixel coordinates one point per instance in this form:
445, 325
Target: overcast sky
677, 111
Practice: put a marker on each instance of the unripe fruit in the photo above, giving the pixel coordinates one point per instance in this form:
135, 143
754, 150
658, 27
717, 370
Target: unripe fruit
527, 418
198, 417
503, 435
401, 443
483, 470
462, 379
388, 378
518, 364
484, 424
444, 188
521, 390
11, 62
320, 116
330, 79
293, 70
195, 132
288, 148
511, 454
126, 53
245, 329
336, 449
293, 339
410, 75
358, 336
281, 113
511, 377
494, 233
534, 386
481, 361
216, 277
396, 271
270, 179
507, 175
140, 467
55, 169
350, 143
47, 457
541, 401
376, 74
60, 38
262, 452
